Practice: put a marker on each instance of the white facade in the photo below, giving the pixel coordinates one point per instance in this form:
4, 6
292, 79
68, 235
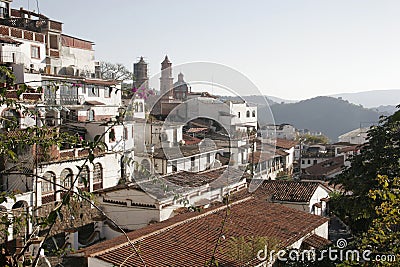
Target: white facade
134, 209
311, 161
268, 169
356, 137
245, 115
197, 162
157, 133
81, 61
316, 205
235, 116
30, 53
283, 131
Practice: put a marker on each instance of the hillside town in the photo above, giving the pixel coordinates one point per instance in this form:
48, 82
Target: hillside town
148, 183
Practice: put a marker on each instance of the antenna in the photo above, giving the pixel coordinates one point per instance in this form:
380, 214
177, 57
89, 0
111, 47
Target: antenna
37, 5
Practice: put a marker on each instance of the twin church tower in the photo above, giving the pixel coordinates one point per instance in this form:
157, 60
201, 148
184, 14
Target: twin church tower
171, 93
168, 89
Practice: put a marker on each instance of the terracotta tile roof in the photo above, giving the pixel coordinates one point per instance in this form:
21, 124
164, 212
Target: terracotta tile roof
101, 82
197, 130
264, 156
326, 167
190, 179
8, 40
291, 191
189, 239
171, 153
286, 144
182, 182
32, 96
280, 152
349, 148
190, 140
316, 241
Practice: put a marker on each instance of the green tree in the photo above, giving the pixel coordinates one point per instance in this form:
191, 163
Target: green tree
314, 139
383, 236
380, 156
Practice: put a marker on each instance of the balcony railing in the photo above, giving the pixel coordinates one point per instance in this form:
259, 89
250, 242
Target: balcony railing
36, 25
62, 100
25, 23
317, 155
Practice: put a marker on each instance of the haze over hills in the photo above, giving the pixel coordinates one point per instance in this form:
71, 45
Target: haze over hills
384, 100
329, 115
374, 98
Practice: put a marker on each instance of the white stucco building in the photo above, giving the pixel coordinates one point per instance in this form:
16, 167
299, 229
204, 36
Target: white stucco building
357, 136
139, 204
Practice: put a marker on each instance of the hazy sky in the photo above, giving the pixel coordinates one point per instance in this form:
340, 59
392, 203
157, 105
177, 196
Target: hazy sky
291, 49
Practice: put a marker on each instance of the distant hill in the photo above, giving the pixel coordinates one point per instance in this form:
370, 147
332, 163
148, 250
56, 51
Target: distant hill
280, 100
371, 99
386, 110
254, 99
260, 99
329, 115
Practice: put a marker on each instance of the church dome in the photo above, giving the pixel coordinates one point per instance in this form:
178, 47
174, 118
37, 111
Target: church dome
181, 85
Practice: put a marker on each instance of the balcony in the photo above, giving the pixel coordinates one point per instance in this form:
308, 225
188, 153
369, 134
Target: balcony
39, 25
25, 23
62, 100
11, 57
328, 154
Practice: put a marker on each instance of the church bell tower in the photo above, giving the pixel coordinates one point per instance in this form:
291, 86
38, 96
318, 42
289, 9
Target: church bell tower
166, 80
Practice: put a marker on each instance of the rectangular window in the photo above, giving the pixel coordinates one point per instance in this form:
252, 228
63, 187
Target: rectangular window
53, 41
192, 159
126, 134
107, 92
93, 90
111, 136
35, 51
174, 166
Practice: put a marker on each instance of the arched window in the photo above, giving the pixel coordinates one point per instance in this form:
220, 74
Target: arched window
248, 114
111, 136
84, 177
48, 183
66, 178
254, 113
97, 176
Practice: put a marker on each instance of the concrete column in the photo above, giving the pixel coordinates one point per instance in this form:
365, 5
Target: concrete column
71, 237
41, 116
